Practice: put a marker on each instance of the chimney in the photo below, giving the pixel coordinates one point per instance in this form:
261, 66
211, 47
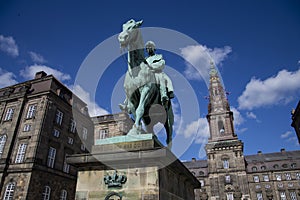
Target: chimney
40, 74
282, 150
193, 159
259, 152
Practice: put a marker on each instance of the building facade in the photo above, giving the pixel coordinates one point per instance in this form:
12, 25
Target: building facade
227, 174
41, 123
111, 125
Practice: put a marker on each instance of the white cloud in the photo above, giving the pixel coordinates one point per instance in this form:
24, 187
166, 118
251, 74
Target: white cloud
198, 129
238, 118
37, 58
286, 134
279, 89
178, 119
94, 108
29, 72
293, 140
9, 46
7, 78
251, 115
200, 56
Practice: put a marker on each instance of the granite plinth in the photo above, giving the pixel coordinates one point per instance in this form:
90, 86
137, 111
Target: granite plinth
152, 172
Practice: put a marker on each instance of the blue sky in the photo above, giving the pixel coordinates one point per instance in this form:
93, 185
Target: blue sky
255, 45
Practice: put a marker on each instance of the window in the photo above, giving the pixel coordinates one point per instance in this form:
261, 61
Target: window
276, 166
70, 140
257, 186
267, 186
229, 196
46, 193
278, 177
9, 114
27, 127
225, 164
59, 117
280, 185
66, 167
282, 195
9, 191
31, 111
227, 179
298, 175
73, 126
254, 169
51, 157
266, 177
103, 133
201, 173
284, 165
63, 195
2, 143
82, 147
256, 179
21, 153
288, 176
259, 196
290, 184
56, 133
202, 183
221, 127
293, 195
84, 133
263, 168
293, 165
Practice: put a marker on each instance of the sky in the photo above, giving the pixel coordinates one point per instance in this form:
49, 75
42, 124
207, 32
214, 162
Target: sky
255, 46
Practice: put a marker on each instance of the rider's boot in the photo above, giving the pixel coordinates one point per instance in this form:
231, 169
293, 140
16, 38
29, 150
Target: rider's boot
164, 96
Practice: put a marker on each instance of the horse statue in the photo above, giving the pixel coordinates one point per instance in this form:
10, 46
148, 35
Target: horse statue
143, 96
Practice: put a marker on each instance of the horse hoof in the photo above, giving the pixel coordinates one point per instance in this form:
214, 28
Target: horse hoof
122, 107
135, 130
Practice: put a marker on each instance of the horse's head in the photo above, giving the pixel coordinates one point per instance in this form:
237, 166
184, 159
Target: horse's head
129, 33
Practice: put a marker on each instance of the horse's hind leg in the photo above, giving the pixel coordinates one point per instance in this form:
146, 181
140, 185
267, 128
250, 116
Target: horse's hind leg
169, 125
139, 112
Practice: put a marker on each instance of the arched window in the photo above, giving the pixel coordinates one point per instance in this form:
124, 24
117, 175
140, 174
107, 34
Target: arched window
284, 165
46, 193
63, 195
225, 163
9, 191
263, 168
275, 166
293, 165
254, 169
201, 173
2, 143
221, 127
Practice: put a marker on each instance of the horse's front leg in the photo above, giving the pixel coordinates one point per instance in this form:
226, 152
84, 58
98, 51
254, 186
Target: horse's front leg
139, 112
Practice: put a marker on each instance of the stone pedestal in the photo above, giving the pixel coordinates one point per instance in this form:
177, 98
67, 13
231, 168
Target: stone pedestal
132, 169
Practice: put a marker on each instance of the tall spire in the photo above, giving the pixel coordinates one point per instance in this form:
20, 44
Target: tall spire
217, 97
219, 116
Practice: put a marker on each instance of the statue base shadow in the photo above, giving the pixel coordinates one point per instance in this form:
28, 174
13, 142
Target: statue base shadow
135, 167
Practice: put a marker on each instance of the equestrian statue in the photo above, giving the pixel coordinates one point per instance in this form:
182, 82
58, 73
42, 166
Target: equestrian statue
148, 89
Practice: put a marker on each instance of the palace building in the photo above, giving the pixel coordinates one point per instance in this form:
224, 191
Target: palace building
227, 173
37, 131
